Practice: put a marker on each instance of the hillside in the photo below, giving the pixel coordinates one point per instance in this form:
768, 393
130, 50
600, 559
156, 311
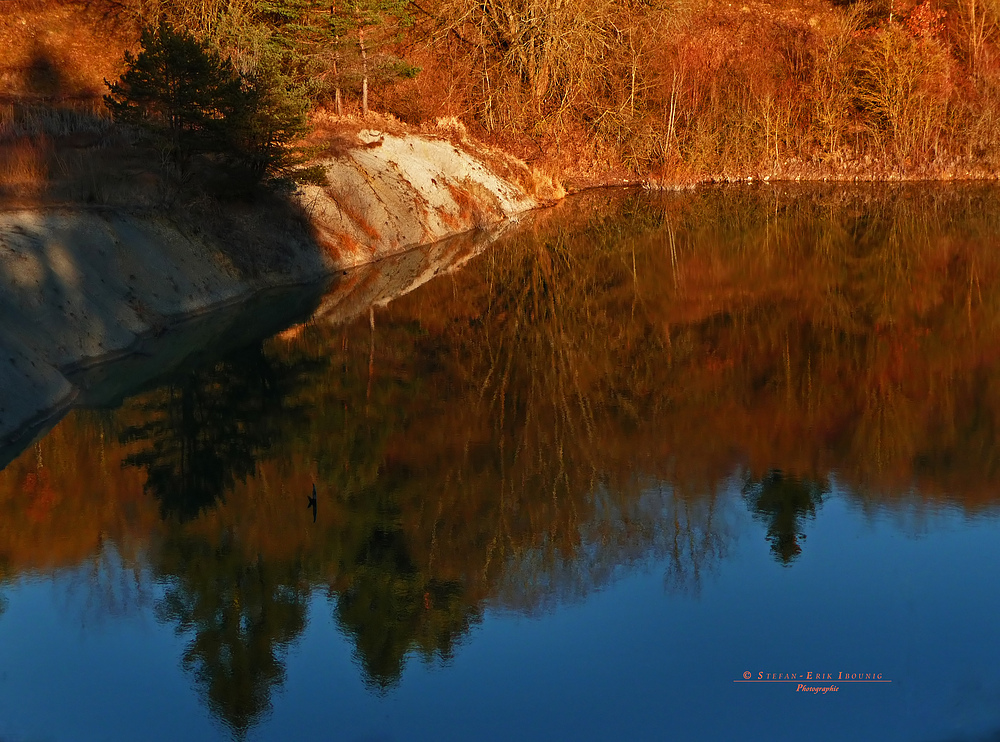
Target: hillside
592, 92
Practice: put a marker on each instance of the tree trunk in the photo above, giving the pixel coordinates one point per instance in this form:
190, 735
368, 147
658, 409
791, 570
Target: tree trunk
337, 100
364, 72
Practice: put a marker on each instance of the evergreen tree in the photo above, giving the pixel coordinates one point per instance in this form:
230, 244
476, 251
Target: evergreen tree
179, 92
191, 102
360, 17
272, 115
338, 42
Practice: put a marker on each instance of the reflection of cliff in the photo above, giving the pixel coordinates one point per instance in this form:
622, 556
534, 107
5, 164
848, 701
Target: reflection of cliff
580, 399
378, 284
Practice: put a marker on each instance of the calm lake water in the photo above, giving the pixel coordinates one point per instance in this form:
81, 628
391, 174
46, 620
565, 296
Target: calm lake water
641, 449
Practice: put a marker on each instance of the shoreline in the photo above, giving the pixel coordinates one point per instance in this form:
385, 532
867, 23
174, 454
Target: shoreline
385, 186
83, 287
651, 182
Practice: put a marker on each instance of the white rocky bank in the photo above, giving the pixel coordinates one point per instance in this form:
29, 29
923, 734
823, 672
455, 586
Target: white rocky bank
396, 192
80, 286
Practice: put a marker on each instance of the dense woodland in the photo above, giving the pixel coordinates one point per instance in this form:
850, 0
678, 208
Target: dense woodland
590, 90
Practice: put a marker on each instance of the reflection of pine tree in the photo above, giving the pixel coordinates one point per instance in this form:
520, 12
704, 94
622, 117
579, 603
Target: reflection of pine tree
387, 600
784, 502
204, 430
243, 615
390, 607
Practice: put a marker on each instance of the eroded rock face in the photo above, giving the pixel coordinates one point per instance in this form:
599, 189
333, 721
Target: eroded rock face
397, 192
81, 285
77, 285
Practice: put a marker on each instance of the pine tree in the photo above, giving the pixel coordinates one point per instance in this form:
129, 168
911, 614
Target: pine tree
272, 114
179, 92
332, 40
359, 17
191, 102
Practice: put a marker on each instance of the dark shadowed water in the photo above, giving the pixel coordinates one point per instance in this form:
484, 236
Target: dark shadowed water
717, 465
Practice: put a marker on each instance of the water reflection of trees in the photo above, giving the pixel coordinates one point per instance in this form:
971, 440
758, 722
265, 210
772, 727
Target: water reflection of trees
201, 433
241, 615
197, 436
585, 396
390, 607
784, 502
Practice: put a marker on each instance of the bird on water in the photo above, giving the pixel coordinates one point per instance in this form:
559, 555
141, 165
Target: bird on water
312, 502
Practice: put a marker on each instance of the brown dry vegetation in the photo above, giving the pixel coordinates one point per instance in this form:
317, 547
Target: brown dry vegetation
605, 91
785, 89
56, 141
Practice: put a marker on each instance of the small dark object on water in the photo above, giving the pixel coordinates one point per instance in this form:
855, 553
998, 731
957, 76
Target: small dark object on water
312, 502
